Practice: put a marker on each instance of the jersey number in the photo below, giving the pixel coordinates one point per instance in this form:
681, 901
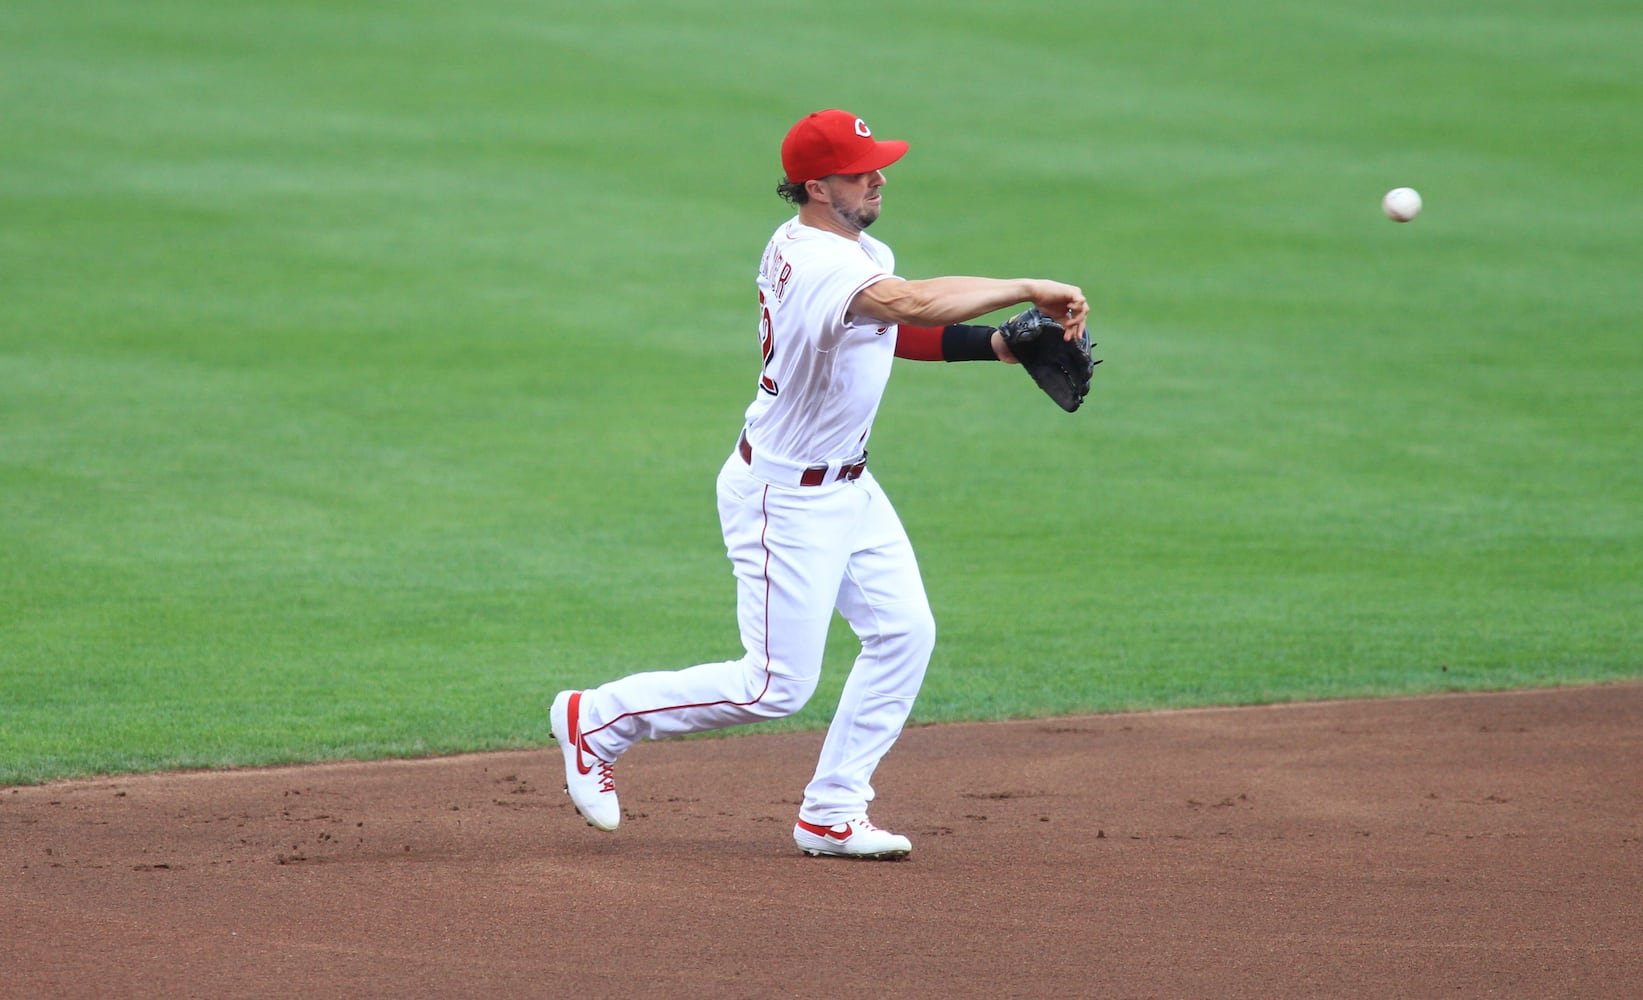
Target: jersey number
767, 347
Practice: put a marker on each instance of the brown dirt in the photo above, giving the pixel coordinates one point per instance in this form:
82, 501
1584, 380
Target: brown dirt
1456, 846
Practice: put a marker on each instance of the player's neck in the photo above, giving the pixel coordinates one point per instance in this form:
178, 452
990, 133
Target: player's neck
818, 216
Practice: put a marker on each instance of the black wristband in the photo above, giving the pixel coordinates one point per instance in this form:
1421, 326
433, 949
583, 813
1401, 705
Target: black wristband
960, 342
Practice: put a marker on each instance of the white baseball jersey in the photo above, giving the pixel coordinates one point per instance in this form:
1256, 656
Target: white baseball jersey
824, 371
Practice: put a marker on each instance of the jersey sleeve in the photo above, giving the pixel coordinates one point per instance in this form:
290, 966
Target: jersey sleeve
864, 278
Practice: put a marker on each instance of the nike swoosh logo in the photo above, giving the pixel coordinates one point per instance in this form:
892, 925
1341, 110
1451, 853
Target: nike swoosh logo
828, 832
574, 723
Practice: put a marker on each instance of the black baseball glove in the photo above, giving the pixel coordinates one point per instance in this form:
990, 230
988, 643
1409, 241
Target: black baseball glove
1062, 368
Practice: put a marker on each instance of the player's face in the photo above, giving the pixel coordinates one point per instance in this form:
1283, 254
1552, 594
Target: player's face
856, 198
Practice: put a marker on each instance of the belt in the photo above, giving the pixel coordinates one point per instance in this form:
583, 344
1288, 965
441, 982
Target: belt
816, 475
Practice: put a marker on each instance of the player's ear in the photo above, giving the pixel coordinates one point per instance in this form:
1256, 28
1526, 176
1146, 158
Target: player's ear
816, 190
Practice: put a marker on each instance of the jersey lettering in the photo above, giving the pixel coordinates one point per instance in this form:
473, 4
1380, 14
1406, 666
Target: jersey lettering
775, 269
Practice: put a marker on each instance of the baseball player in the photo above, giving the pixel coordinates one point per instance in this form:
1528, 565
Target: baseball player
806, 525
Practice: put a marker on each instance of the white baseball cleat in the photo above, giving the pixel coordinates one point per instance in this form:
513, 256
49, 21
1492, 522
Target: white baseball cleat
857, 838
590, 781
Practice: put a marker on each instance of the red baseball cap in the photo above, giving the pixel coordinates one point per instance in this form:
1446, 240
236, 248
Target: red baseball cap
835, 142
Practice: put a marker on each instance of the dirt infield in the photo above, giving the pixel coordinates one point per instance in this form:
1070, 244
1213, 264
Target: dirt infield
1456, 846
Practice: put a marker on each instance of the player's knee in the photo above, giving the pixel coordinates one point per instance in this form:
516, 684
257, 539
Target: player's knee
784, 696
912, 628
923, 629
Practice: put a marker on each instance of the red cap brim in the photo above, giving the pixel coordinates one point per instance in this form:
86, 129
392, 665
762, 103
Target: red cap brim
882, 155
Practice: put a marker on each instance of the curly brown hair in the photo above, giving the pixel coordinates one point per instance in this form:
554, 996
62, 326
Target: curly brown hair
792, 193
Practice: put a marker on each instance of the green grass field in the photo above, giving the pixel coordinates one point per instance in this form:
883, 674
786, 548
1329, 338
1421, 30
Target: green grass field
365, 368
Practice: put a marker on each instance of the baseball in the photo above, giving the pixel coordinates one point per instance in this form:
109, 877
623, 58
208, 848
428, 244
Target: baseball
1401, 204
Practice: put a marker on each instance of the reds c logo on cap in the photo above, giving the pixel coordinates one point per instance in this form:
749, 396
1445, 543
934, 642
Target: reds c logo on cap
830, 142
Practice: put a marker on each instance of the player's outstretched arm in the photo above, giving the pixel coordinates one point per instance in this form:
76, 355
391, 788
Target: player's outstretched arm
957, 299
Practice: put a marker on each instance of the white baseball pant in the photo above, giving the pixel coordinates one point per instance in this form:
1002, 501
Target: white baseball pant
798, 552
